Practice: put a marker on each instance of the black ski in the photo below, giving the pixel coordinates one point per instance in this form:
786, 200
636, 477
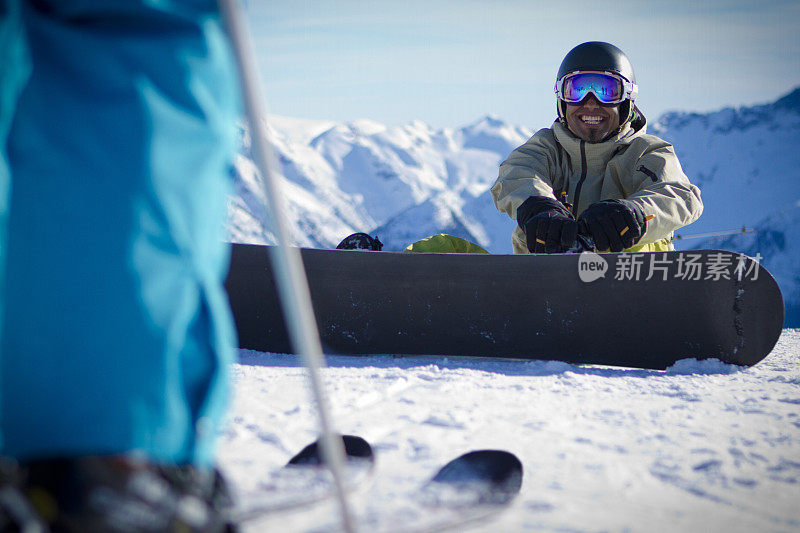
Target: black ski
303, 481
471, 488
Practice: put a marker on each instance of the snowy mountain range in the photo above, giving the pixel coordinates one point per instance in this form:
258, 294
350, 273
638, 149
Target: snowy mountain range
402, 184
408, 182
747, 165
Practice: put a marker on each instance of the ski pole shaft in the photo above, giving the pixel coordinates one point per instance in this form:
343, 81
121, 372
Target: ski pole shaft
742, 231
287, 263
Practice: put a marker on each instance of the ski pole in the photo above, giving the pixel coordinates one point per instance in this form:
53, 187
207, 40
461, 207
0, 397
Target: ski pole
745, 230
292, 284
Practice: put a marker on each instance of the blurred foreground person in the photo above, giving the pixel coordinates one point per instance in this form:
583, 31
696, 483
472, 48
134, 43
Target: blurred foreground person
117, 127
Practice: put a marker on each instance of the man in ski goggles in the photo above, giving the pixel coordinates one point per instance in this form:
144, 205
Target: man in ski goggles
591, 102
595, 173
607, 87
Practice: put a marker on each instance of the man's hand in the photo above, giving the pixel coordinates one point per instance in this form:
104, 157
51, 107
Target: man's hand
549, 226
614, 224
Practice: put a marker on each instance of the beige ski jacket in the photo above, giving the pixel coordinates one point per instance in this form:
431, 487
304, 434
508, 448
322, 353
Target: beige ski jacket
632, 165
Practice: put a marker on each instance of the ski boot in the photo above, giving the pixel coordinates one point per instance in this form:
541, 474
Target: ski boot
114, 494
17, 514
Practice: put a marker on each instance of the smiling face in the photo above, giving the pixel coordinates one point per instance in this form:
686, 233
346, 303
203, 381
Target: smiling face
590, 121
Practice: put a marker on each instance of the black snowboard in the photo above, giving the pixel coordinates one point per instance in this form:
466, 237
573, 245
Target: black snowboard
647, 311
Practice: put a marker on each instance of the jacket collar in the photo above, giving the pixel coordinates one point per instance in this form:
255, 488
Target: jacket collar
602, 151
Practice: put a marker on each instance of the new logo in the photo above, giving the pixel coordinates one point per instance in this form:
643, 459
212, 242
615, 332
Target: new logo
591, 267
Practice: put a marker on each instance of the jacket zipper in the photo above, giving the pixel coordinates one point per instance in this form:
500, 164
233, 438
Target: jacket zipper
580, 182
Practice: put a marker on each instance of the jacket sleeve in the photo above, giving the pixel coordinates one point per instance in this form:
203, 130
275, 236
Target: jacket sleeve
661, 189
528, 171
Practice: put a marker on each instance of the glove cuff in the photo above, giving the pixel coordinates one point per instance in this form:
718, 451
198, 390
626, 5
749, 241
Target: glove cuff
633, 206
638, 214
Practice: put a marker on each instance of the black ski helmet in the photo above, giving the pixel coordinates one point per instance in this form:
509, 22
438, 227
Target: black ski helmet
597, 55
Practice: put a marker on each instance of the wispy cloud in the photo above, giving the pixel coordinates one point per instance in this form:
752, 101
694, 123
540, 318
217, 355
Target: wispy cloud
355, 51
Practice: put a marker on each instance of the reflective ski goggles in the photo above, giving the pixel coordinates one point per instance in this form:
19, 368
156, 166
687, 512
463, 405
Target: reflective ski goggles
607, 87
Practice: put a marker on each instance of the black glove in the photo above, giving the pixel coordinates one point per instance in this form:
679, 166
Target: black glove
549, 226
605, 222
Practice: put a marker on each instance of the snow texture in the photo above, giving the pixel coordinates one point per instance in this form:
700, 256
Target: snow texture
702, 446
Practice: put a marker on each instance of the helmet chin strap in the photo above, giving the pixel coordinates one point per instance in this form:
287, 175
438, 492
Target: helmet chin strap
629, 116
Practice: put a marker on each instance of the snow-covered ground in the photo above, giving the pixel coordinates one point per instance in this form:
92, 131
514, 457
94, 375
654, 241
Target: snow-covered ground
703, 446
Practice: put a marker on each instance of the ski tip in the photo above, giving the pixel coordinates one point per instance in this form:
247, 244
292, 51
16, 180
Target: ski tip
355, 449
497, 472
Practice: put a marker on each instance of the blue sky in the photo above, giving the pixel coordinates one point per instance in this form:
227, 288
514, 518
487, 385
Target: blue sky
449, 63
